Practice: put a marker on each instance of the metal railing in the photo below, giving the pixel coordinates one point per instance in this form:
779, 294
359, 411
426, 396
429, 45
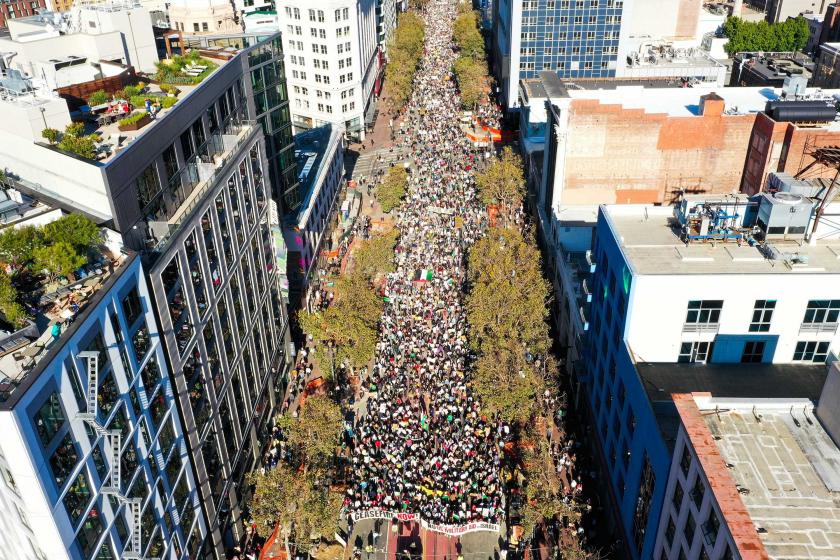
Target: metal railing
818, 327
700, 327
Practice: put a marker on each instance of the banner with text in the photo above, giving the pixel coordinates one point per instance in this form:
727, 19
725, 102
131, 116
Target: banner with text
454, 530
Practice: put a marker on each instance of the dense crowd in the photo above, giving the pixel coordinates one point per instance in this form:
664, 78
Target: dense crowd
422, 444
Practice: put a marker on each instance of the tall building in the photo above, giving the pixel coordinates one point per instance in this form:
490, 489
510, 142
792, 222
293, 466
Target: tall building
93, 458
191, 191
768, 335
386, 20
597, 39
780, 10
334, 63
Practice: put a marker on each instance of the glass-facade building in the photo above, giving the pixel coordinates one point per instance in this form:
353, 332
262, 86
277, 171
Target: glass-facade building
574, 38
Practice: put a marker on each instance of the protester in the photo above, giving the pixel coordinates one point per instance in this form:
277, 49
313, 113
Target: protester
421, 444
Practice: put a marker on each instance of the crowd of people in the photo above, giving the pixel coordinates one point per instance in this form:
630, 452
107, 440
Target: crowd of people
422, 444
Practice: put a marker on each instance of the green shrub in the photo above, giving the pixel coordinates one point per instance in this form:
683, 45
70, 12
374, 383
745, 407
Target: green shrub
167, 102
82, 146
97, 98
131, 91
50, 135
134, 117
74, 129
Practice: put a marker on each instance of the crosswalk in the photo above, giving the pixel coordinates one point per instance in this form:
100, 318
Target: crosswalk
366, 164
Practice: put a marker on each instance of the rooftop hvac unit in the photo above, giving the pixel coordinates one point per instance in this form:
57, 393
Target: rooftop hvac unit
784, 215
785, 182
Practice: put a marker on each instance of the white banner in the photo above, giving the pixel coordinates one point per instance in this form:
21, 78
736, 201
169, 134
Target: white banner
454, 530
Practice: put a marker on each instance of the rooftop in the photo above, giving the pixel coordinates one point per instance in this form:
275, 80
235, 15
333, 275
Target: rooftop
783, 466
754, 381
650, 240
311, 148
52, 307
776, 67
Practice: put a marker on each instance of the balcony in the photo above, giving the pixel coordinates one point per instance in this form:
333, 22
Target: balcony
816, 328
701, 327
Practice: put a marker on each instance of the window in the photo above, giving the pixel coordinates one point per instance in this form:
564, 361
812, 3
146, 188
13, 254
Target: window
695, 352
147, 185
821, 313
811, 351
669, 532
195, 27
677, 498
690, 526
710, 528
762, 315
132, 307
647, 484
685, 460
703, 312
698, 491
753, 352
49, 419
204, 26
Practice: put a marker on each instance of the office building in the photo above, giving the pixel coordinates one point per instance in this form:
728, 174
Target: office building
386, 19
827, 69
320, 163
335, 65
94, 462
12, 9
191, 191
90, 42
766, 336
730, 484
594, 40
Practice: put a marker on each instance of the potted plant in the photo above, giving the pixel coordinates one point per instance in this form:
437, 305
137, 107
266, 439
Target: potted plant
135, 121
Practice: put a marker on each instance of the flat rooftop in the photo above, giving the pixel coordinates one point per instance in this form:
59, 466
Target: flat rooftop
311, 148
777, 68
650, 240
788, 471
754, 381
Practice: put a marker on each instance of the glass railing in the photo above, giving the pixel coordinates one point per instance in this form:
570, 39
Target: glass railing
197, 189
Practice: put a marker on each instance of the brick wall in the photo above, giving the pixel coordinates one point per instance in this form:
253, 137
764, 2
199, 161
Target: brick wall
618, 155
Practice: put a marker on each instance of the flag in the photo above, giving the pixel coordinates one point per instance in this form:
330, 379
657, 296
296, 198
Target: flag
423, 275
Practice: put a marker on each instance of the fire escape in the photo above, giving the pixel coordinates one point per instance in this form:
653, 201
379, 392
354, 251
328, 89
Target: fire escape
113, 441
824, 158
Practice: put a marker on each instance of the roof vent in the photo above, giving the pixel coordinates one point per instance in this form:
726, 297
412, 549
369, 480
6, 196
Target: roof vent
787, 198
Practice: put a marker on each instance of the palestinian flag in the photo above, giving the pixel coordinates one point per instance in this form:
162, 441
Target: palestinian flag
423, 275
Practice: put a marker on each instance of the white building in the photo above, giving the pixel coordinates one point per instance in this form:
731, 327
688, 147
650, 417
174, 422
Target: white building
333, 62
386, 19
204, 16
87, 43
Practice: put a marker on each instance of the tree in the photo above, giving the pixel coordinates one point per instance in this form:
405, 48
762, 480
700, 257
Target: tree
508, 296
375, 256
17, 245
83, 146
543, 489
10, 307
404, 51
303, 506
50, 135
316, 431
503, 182
392, 189
467, 35
748, 36
58, 259
506, 384
472, 79
75, 230
76, 129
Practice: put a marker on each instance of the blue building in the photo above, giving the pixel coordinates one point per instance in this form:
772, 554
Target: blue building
666, 313
575, 38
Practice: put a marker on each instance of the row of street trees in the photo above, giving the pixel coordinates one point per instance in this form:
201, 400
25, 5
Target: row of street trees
404, 51
507, 311
752, 36
470, 68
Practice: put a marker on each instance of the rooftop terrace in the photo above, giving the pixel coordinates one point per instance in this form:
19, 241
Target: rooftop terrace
650, 240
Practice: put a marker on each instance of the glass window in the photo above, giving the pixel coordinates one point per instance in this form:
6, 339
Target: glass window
710, 528
90, 532
150, 375
196, 275
698, 491
170, 161
141, 342
158, 408
49, 419
77, 498
107, 396
677, 498
128, 465
132, 307
811, 351
697, 351
822, 311
704, 311
147, 185
753, 352
685, 460
762, 315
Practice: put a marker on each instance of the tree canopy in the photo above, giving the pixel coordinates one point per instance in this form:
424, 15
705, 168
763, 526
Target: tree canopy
58, 259
349, 325
391, 191
472, 79
316, 431
10, 307
375, 256
751, 36
467, 35
404, 51
17, 245
75, 230
503, 182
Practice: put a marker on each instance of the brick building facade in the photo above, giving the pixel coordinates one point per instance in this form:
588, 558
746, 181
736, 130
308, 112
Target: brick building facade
11, 9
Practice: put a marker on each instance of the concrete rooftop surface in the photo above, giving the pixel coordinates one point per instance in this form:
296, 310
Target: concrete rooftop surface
788, 471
